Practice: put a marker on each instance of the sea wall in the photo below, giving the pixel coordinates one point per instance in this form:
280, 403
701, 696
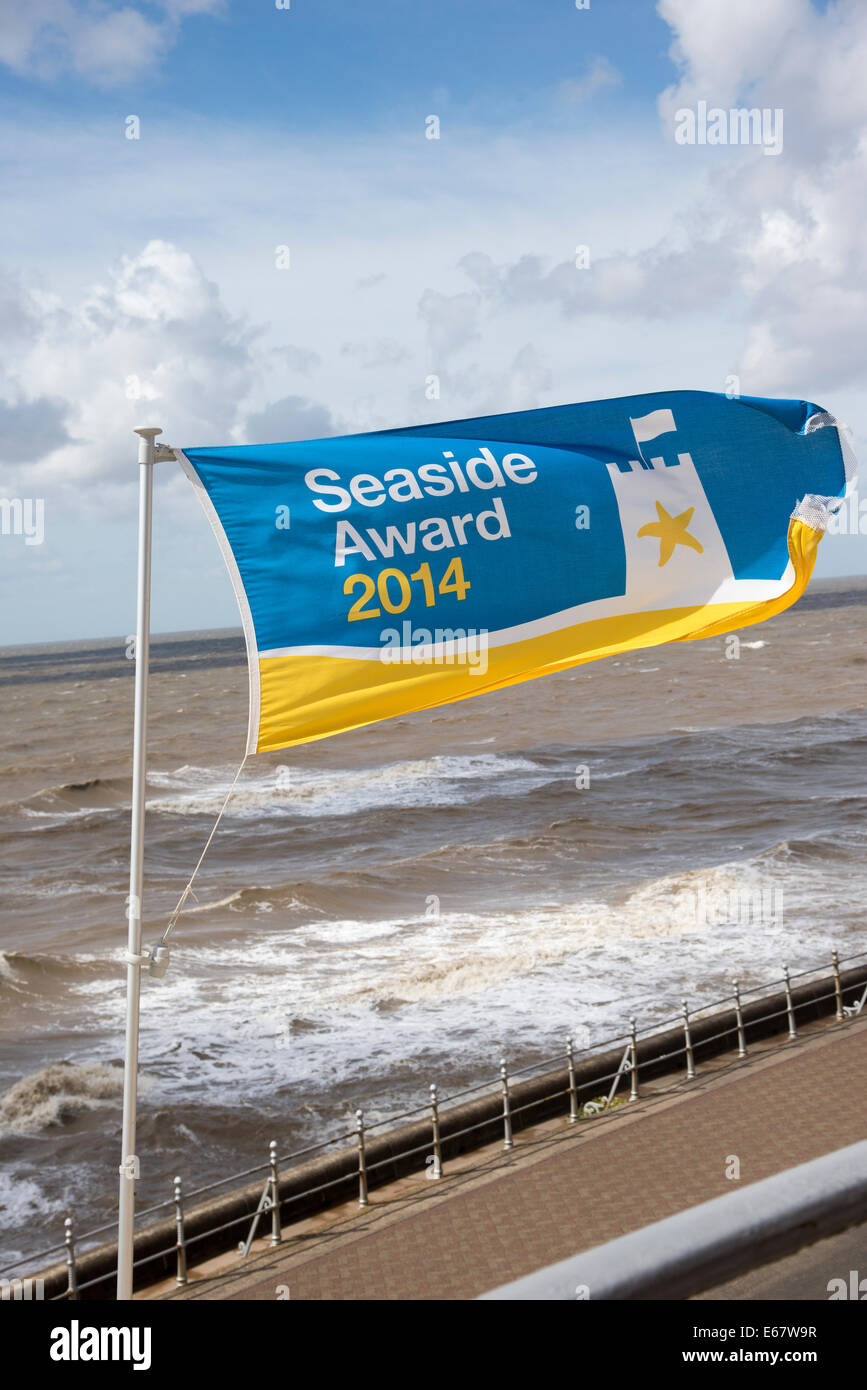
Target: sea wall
330, 1179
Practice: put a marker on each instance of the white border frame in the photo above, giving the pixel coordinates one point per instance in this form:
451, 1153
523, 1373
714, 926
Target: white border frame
240, 595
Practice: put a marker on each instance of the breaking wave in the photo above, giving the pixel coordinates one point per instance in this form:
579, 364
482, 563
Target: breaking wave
516, 945
56, 1094
75, 798
37, 974
297, 791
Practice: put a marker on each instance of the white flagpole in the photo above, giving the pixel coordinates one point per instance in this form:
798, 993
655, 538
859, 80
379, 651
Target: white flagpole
134, 958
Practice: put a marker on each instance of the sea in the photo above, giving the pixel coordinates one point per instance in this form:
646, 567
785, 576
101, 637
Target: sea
404, 904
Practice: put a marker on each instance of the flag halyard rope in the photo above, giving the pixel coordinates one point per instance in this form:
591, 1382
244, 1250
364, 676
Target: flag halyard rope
188, 890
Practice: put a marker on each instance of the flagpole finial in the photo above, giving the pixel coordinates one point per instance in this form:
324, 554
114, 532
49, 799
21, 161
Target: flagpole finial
146, 449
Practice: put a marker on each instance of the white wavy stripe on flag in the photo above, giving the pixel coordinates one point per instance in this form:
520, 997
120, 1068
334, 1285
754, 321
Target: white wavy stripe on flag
744, 591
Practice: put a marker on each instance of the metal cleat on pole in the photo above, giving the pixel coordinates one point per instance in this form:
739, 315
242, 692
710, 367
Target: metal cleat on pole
156, 959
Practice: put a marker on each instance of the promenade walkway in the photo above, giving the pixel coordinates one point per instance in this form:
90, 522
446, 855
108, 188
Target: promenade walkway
497, 1216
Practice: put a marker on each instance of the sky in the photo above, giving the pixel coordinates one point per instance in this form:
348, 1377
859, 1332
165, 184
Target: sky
230, 220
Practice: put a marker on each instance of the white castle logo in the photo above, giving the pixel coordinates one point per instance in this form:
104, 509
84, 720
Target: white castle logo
674, 549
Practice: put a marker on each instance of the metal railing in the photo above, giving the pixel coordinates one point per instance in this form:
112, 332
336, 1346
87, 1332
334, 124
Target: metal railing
273, 1201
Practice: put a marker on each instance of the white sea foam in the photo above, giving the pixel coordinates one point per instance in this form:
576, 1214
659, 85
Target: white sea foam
22, 1200
297, 791
60, 888
7, 969
329, 970
64, 814
373, 1006
466, 954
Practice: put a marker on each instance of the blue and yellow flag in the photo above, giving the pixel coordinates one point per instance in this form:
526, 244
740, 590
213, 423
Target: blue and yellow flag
387, 572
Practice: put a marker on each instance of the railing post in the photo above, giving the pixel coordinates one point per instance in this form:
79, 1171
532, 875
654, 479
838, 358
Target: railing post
71, 1270
264, 1204
274, 1195
180, 1243
690, 1060
633, 1061
507, 1108
790, 1010
573, 1090
838, 993
739, 1019
362, 1160
435, 1126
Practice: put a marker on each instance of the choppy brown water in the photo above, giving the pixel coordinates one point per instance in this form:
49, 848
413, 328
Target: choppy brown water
404, 903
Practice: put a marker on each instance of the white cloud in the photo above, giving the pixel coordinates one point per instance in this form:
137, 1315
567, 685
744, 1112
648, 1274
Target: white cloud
661, 282
375, 352
369, 282
779, 53
293, 417
601, 73
774, 245
31, 429
47, 39
298, 359
725, 47
158, 327
451, 320
704, 262
794, 231
154, 339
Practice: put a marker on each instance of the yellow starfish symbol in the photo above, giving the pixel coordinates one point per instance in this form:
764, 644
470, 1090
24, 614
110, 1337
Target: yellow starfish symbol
671, 531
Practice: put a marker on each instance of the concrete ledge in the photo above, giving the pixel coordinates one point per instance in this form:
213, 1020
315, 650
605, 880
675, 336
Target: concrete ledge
701, 1247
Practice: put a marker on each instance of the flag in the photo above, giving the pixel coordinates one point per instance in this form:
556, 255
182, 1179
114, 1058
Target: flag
393, 571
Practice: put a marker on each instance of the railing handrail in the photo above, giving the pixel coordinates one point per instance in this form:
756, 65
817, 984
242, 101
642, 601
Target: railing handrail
492, 1085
